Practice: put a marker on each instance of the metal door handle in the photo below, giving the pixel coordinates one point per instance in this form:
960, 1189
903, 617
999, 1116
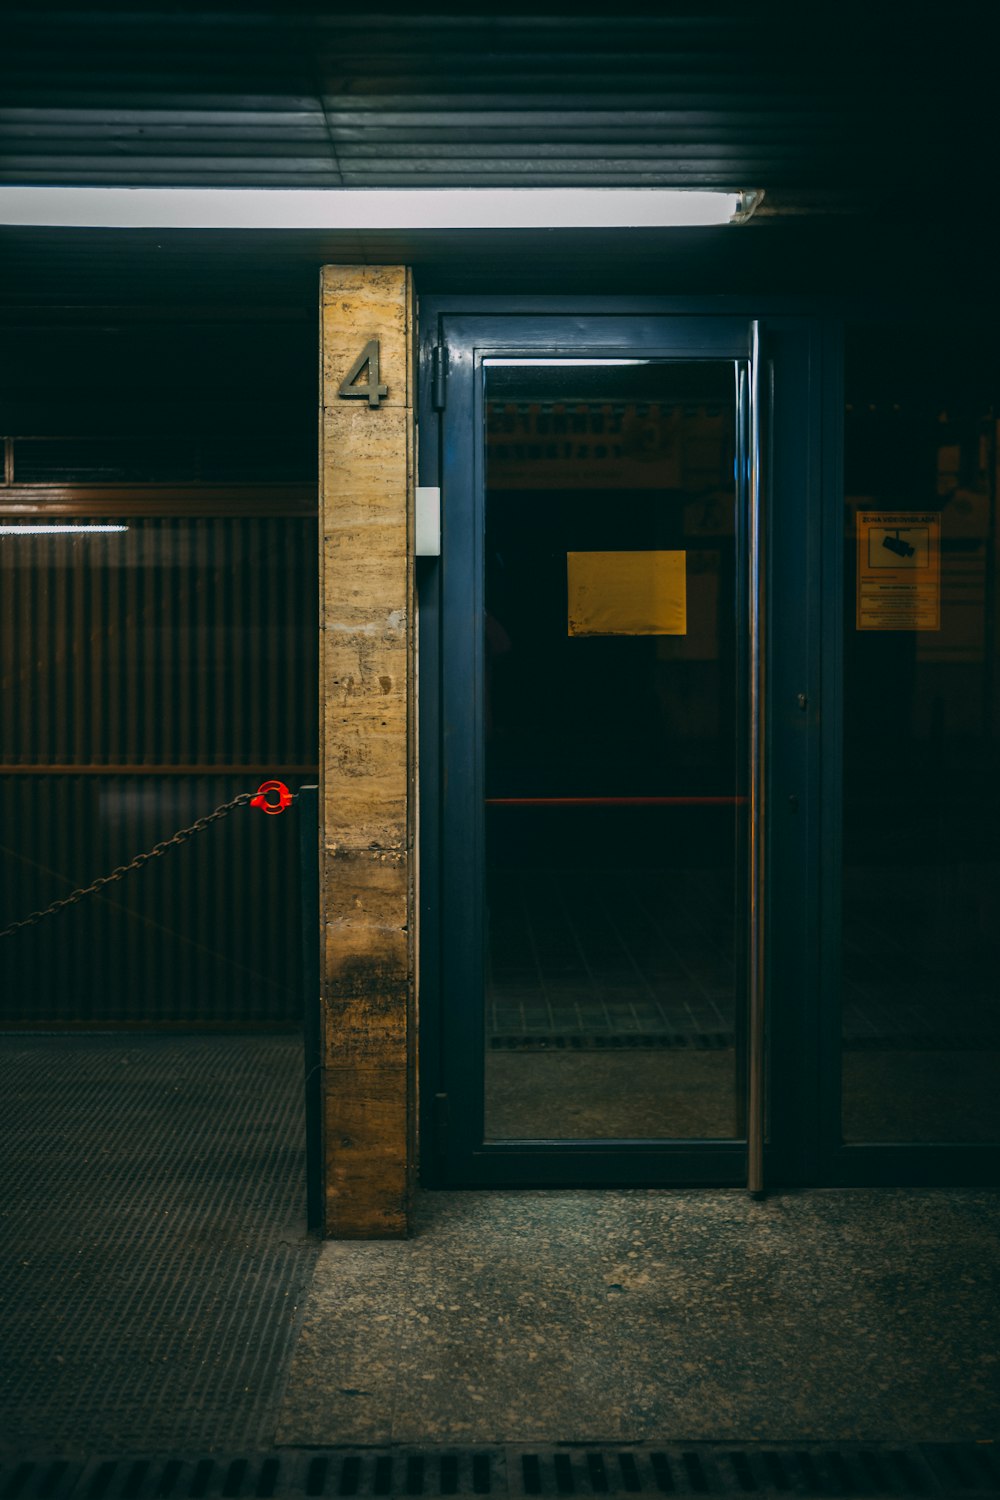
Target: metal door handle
756, 1021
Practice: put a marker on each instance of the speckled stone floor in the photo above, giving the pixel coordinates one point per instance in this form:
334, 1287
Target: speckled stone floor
634, 1315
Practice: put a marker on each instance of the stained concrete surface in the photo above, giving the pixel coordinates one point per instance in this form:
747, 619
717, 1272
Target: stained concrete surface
596, 1316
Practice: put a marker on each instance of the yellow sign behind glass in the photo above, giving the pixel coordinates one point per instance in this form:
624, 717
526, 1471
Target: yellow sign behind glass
627, 593
899, 570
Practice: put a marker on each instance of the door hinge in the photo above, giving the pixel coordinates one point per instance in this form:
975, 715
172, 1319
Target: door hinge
439, 377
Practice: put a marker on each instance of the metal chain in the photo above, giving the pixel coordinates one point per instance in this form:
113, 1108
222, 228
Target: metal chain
180, 837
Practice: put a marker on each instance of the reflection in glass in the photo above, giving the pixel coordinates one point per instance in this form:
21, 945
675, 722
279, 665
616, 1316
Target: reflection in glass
615, 787
921, 1018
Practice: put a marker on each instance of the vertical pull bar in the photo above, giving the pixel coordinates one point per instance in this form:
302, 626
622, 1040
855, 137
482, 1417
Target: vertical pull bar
756, 1028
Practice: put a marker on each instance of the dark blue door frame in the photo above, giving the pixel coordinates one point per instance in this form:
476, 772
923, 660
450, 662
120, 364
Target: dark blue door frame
804, 621
451, 853
803, 603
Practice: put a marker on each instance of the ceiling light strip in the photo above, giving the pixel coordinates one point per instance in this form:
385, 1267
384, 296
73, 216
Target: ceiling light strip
364, 209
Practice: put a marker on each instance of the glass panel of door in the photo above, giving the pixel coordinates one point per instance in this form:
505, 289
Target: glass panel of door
920, 1037
614, 742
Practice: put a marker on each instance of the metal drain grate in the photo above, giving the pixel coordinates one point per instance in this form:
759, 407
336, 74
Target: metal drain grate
624, 1041
48, 1480
902, 1471
729, 1470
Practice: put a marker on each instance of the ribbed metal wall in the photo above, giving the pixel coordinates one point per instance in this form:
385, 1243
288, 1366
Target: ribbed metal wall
148, 676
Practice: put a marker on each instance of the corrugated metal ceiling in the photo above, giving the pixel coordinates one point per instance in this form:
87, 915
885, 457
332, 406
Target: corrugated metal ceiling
801, 101
867, 133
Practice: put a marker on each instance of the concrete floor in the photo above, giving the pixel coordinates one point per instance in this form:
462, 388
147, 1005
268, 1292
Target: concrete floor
638, 1316
158, 1291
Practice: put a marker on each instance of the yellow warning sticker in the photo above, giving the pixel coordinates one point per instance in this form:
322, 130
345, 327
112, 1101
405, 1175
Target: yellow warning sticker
627, 593
899, 570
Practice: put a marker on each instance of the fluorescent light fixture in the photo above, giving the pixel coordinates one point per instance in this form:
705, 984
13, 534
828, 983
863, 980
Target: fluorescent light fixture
492, 362
54, 530
365, 208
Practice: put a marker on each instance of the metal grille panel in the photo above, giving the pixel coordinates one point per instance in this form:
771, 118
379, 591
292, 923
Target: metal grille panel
183, 642
153, 1242
149, 676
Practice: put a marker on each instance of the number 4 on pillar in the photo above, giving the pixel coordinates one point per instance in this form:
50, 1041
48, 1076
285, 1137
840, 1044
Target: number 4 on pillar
352, 387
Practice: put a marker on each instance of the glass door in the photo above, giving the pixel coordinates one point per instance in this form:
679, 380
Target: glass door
709, 857
614, 750
595, 809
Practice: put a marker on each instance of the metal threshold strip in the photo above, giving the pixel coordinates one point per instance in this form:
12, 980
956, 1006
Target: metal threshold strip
969, 1469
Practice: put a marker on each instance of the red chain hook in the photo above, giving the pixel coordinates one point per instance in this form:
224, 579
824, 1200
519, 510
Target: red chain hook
264, 793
